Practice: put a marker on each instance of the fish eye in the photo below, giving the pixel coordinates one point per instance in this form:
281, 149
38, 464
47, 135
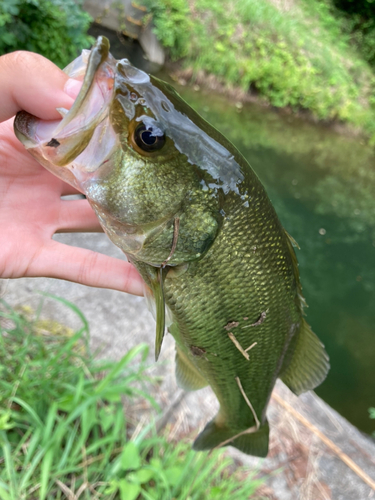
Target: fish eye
147, 140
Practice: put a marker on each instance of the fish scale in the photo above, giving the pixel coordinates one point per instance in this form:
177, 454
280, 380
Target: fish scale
191, 215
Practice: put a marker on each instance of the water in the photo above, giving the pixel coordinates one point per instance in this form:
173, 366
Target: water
323, 187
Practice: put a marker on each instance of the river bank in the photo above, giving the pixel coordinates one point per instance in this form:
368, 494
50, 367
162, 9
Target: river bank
293, 55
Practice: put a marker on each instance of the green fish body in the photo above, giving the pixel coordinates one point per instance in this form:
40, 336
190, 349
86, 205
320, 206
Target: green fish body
194, 219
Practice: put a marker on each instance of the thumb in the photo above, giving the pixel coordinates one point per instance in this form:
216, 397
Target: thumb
30, 82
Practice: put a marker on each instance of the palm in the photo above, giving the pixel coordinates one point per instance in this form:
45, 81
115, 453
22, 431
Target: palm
31, 211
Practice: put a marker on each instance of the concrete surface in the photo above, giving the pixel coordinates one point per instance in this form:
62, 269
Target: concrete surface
127, 17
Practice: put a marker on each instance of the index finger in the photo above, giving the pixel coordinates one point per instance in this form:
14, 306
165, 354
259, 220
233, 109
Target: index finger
32, 83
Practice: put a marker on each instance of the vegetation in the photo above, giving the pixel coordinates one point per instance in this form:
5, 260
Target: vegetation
358, 18
54, 28
372, 415
64, 433
304, 58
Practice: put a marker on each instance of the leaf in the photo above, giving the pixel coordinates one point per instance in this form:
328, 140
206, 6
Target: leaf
106, 417
130, 459
173, 475
5, 420
142, 476
4, 495
128, 491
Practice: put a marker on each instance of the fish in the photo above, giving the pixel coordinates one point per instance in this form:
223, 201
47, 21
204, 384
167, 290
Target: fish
184, 205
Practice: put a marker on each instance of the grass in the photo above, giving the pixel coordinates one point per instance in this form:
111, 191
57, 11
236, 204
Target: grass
301, 58
64, 433
372, 415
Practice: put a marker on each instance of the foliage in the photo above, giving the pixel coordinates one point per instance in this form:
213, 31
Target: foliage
372, 415
54, 28
303, 59
358, 18
64, 434
172, 24
352, 22
366, 8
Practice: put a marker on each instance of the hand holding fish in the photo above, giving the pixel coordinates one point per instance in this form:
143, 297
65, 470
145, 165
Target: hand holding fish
31, 208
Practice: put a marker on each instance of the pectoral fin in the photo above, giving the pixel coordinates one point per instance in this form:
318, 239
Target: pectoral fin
160, 313
306, 363
187, 375
154, 294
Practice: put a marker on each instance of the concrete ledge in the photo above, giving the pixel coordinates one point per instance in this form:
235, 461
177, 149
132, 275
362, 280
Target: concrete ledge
127, 17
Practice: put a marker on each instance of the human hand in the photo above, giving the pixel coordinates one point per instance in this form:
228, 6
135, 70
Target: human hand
31, 208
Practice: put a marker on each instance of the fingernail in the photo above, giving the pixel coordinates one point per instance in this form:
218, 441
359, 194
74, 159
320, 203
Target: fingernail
72, 87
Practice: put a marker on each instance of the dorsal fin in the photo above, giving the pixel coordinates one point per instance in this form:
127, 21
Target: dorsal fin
291, 242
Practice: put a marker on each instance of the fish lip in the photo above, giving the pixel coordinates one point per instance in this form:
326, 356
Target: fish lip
57, 144
24, 128
128, 84
130, 74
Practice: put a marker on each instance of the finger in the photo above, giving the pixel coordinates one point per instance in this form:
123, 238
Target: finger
40, 94
68, 190
77, 216
86, 267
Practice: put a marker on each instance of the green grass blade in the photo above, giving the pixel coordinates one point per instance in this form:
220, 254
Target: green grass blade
4, 492
9, 465
65, 457
29, 410
45, 472
118, 368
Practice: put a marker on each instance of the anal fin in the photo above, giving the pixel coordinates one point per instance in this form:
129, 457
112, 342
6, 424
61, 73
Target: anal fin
308, 364
187, 375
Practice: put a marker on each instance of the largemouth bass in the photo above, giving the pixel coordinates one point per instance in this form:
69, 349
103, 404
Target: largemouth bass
191, 215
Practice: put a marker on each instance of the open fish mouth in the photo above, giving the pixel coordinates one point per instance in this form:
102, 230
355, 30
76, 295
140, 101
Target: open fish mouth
83, 140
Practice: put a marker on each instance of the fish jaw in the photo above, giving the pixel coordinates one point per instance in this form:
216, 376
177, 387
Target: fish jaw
62, 146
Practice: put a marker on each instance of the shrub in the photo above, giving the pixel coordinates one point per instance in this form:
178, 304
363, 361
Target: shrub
54, 28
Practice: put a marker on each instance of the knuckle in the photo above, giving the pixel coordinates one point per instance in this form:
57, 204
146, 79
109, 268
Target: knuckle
88, 265
22, 59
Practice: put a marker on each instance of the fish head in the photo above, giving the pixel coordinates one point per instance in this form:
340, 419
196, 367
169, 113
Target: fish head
153, 170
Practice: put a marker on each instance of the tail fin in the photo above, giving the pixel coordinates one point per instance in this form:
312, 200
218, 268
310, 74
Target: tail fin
255, 444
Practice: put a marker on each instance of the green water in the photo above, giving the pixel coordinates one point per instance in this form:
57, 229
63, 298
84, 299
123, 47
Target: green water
323, 187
